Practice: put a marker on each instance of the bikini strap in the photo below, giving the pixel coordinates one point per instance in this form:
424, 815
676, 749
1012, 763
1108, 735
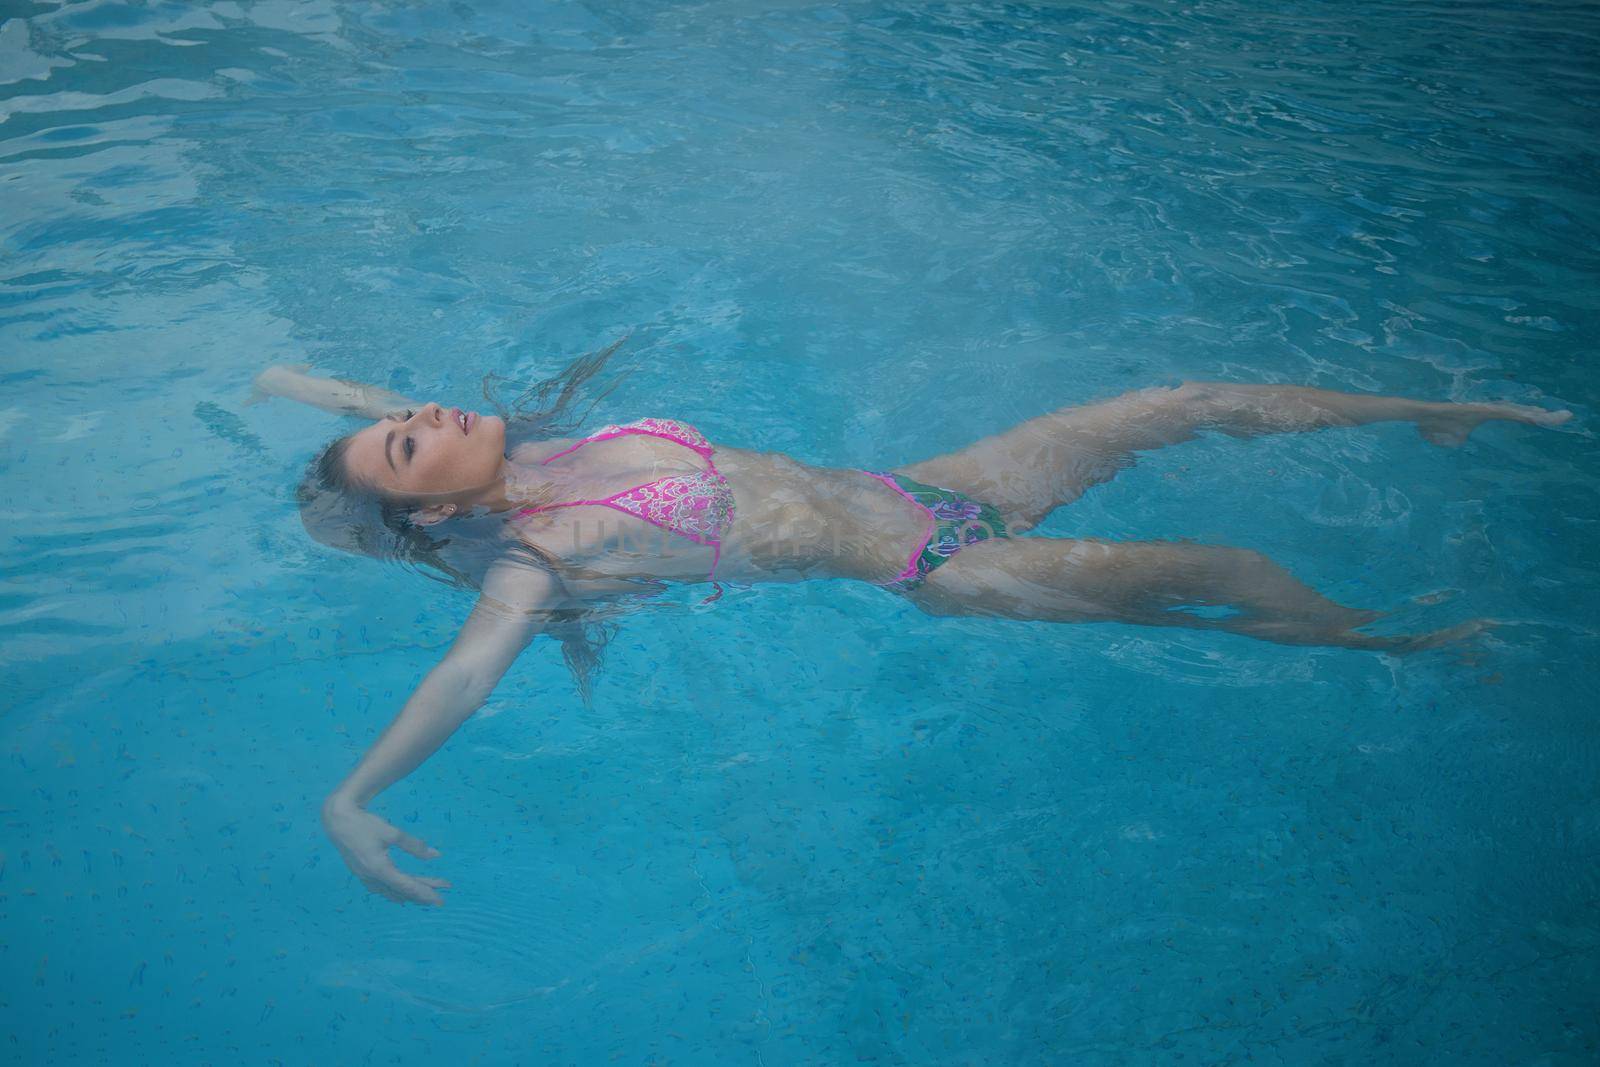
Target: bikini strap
670, 429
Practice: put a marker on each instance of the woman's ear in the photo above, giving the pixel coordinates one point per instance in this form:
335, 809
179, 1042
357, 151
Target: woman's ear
433, 513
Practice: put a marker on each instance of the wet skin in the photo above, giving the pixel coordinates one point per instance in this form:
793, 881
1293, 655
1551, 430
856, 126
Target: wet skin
794, 521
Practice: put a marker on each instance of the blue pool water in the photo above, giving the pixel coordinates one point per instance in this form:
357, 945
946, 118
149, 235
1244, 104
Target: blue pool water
810, 825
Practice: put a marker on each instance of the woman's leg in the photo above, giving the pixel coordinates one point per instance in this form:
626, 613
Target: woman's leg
1152, 583
1051, 460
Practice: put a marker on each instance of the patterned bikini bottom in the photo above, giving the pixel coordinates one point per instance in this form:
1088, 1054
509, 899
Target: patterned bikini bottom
954, 522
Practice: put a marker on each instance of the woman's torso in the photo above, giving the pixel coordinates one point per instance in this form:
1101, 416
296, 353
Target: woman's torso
789, 520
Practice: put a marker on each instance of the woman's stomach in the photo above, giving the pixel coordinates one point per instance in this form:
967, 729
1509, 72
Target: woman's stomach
793, 521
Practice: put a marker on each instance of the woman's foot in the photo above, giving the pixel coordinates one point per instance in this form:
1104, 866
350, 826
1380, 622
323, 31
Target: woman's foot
1448, 636
1450, 424
1400, 644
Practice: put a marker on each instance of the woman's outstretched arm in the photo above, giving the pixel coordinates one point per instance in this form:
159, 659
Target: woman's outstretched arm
329, 394
513, 609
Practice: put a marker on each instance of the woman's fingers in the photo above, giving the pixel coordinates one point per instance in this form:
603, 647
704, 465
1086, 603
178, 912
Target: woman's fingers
423, 892
416, 890
375, 886
402, 887
420, 849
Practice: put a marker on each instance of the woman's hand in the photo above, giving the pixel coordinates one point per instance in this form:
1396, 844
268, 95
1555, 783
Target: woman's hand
364, 841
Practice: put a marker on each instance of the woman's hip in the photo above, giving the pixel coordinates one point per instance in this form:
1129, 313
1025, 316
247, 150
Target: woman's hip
954, 521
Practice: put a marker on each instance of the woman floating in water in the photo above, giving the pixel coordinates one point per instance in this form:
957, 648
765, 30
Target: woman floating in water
551, 530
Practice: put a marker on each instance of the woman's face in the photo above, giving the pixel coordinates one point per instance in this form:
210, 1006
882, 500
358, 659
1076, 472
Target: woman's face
444, 454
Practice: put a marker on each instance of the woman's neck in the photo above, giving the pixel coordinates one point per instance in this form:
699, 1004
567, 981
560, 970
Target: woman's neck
519, 487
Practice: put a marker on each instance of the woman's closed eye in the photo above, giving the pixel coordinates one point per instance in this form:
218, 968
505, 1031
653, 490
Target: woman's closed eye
410, 446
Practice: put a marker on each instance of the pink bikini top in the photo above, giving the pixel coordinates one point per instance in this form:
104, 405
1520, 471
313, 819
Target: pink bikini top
698, 506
